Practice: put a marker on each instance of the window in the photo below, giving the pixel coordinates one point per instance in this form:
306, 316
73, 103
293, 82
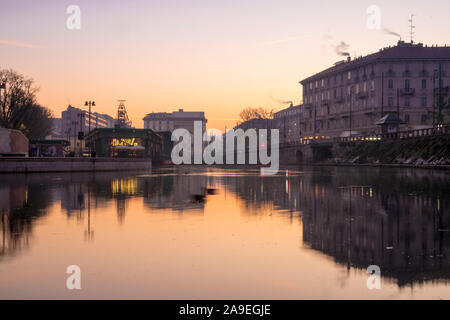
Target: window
349, 75
407, 101
424, 119
424, 101
424, 83
407, 84
390, 84
406, 117
390, 101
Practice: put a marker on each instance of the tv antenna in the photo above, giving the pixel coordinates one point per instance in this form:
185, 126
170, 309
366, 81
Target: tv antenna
411, 27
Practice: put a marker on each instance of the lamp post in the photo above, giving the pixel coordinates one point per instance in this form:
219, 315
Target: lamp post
89, 104
350, 112
435, 71
74, 127
81, 115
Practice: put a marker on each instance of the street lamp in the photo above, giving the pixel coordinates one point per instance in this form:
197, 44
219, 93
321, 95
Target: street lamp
82, 116
89, 104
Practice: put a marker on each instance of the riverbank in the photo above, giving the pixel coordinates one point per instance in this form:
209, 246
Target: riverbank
28, 165
426, 152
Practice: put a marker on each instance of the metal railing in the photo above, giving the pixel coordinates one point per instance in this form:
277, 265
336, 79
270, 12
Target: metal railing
409, 134
427, 132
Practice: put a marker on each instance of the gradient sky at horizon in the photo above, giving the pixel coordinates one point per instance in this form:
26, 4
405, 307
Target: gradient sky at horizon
212, 56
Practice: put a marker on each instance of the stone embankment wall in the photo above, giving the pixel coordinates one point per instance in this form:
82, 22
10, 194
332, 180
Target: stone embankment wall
418, 151
26, 165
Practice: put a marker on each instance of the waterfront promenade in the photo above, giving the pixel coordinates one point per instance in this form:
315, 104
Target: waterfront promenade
28, 165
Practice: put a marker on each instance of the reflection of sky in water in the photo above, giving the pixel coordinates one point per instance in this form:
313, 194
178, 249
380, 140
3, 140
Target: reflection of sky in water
191, 233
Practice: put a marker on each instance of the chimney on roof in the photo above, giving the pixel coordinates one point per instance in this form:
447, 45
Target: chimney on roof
180, 110
349, 59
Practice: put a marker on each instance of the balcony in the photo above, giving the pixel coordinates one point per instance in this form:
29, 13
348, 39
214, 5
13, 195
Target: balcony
407, 91
369, 111
444, 91
407, 73
391, 73
339, 99
424, 73
361, 95
325, 102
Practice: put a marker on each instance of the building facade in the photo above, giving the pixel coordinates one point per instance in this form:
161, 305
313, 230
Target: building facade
125, 143
168, 122
288, 122
349, 98
74, 120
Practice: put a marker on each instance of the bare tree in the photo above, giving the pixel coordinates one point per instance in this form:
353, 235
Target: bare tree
18, 107
255, 113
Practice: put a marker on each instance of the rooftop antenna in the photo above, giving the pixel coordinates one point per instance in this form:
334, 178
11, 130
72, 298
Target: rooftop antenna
411, 28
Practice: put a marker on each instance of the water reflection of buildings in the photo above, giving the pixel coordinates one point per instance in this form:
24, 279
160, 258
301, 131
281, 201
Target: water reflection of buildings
20, 206
24, 198
396, 219
174, 191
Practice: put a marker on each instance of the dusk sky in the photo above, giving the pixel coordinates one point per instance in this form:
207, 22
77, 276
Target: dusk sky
212, 56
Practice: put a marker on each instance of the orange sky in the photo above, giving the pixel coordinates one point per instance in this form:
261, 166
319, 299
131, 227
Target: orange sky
212, 56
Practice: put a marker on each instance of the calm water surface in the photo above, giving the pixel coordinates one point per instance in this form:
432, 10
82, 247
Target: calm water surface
309, 235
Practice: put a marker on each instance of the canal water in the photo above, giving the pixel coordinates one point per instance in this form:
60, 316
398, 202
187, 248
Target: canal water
205, 233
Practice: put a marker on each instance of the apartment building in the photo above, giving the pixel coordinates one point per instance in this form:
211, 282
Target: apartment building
289, 121
349, 97
74, 120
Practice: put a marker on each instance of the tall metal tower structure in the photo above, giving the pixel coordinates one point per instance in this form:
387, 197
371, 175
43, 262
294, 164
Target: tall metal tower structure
122, 116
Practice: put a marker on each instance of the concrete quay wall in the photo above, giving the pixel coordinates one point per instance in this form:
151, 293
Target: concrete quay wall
26, 165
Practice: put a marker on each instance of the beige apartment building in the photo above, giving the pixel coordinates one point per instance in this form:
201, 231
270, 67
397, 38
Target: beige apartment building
163, 121
288, 122
351, 96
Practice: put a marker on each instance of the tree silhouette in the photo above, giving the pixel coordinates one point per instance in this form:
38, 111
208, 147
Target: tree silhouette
255, 113
18, 106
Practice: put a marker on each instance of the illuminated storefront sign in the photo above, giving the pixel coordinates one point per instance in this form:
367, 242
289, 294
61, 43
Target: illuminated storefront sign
130, 142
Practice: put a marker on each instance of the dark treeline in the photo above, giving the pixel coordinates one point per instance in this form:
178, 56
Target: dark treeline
19, 108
